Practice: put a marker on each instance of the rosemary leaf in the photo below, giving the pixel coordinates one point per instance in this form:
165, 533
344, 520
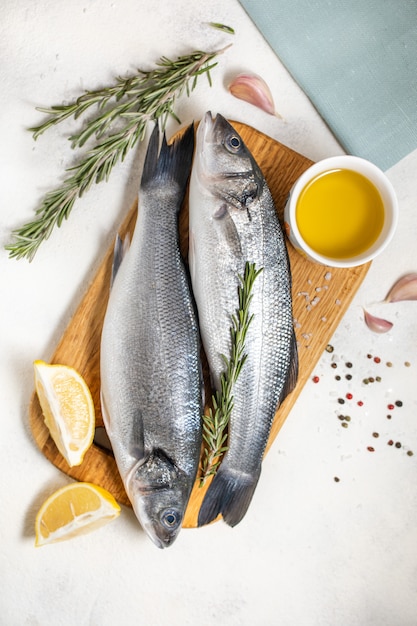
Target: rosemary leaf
132, 102
215, 422
223, 27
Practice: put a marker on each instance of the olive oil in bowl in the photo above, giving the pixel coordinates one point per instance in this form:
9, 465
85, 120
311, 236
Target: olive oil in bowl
341, 212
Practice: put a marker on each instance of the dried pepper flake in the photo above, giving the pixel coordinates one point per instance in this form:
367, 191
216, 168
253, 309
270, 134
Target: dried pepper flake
390, 407
316, 379
349, 396
371, 449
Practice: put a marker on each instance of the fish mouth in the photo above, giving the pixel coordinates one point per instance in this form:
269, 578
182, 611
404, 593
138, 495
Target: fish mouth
209, 126
208, 130
205, 130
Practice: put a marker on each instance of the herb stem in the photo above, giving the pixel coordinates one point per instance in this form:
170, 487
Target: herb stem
215, 422
132, 102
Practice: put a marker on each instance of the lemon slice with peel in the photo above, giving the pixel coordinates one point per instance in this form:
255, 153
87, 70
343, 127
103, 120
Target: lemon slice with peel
67, 407
73, 510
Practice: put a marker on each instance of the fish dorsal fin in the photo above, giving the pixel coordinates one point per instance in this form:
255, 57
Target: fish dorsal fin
293, 371
121, 246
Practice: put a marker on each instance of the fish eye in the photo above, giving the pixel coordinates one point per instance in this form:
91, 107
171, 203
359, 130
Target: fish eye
233, 143
170, 519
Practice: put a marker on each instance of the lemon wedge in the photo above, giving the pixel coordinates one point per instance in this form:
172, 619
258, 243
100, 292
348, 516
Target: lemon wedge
67, 407
73, 510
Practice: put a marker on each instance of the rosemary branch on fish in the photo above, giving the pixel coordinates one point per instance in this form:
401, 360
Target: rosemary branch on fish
215, 421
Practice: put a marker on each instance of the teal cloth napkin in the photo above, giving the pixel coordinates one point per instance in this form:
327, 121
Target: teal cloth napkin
357, 62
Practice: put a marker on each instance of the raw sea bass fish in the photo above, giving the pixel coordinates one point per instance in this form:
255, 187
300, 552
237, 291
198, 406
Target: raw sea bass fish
233, 220
151, 383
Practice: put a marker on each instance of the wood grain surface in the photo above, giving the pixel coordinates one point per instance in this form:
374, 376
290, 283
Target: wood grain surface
321, 296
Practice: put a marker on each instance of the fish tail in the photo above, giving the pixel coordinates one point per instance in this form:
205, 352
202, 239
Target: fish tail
229, 494
170, 163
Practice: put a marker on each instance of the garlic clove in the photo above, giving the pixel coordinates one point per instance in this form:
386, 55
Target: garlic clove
404, 289
253, 89
377, 324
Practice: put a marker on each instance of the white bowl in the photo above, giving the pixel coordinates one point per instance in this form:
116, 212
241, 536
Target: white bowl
375, 176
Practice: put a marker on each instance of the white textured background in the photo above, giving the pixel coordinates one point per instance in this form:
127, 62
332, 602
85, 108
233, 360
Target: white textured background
310, 552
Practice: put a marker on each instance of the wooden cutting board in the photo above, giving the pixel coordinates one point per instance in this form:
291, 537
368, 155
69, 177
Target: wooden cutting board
321, 296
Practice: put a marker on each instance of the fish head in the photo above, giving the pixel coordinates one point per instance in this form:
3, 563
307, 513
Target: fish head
224, 166
159, 494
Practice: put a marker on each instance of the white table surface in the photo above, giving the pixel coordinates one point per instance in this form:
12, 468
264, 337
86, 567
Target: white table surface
310, 551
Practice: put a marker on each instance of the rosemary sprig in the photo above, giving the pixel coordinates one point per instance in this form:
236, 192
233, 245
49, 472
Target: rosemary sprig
132, 102
215, 422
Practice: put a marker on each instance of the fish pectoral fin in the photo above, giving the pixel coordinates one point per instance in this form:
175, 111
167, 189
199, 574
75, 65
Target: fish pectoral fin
229, 494
157, 471
292, 372
229, 231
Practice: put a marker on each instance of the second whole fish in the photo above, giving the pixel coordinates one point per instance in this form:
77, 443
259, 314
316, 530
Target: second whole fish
233, 220
151, 382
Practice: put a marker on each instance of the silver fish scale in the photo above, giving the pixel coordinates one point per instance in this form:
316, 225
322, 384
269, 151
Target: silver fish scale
268, 341
155, 346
